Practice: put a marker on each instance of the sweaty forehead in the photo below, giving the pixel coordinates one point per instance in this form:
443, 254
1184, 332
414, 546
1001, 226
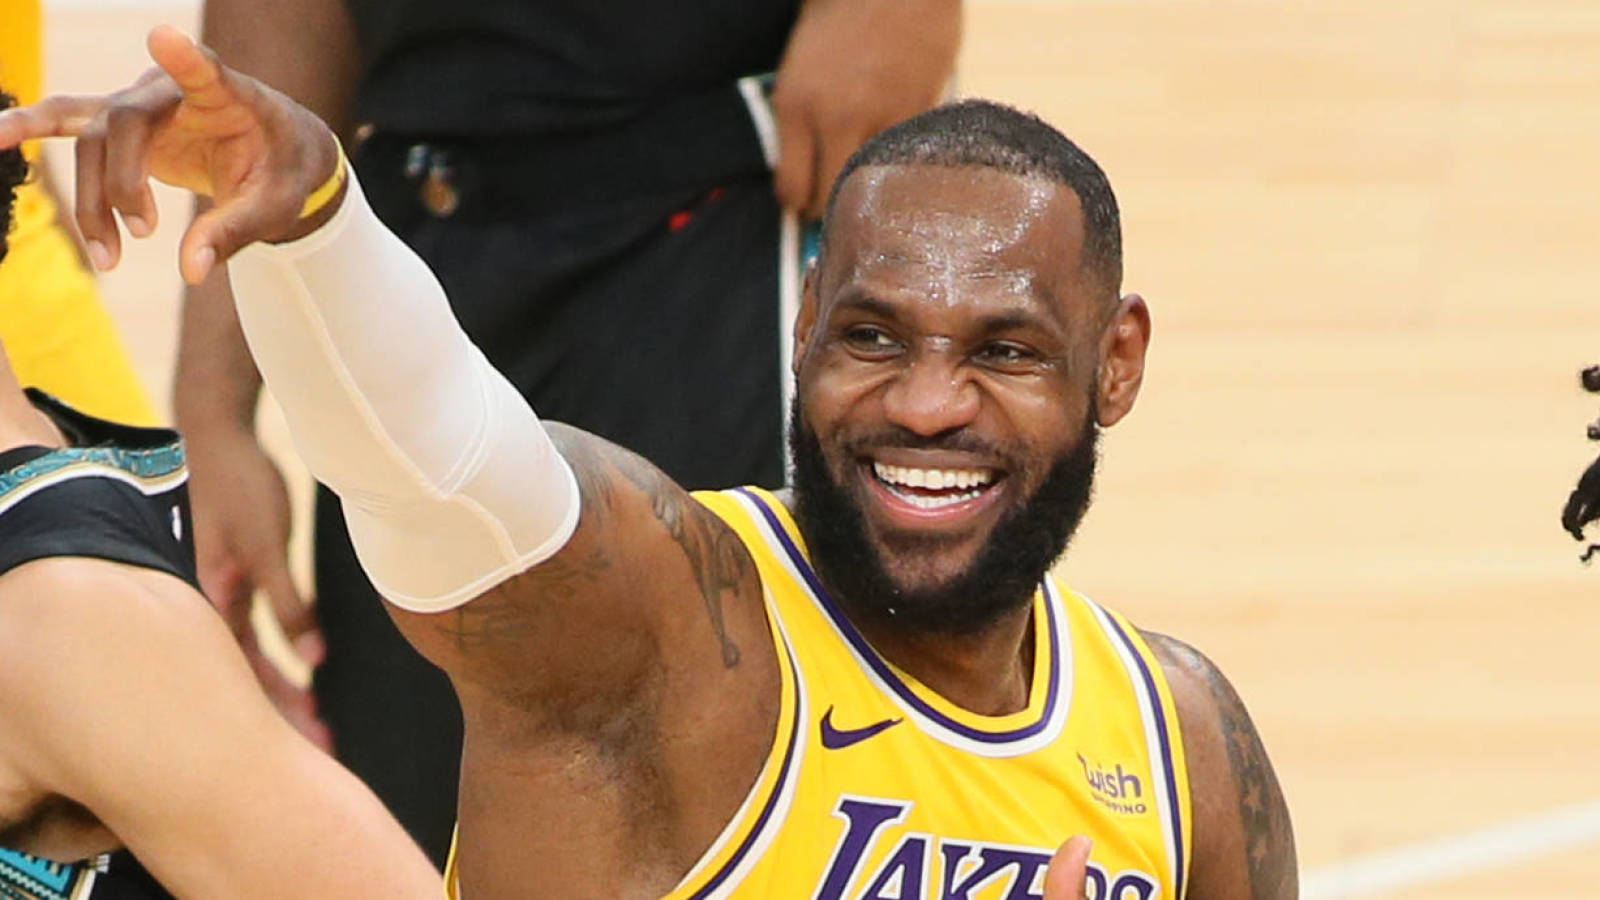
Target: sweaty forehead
950, 224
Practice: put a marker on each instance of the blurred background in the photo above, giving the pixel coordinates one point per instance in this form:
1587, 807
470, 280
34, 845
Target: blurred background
1365, 229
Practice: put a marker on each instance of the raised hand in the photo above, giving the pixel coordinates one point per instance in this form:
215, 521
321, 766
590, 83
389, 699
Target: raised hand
193, 123
851, 69
1068, 875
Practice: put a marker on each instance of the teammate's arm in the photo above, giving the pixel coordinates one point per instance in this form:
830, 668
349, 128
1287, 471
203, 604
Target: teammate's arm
123, 691
1243, 841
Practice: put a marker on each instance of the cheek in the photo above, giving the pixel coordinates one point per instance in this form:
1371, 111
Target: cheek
1042, 420
838, 385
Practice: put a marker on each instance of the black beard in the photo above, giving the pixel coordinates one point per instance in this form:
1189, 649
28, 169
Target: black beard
1003, 576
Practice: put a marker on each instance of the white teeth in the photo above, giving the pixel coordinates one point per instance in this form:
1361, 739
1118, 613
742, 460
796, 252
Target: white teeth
933, 479
937, 502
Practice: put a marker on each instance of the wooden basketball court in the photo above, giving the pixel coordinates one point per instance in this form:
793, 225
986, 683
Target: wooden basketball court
1367, 234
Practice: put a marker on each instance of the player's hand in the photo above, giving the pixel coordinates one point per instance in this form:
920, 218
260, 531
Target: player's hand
851, 69
193, 123
1068, 875
241, 533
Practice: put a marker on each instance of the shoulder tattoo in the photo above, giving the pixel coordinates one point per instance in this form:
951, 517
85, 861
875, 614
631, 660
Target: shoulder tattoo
716, 557
1263, 814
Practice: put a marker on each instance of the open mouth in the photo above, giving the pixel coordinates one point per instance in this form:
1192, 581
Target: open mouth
934, 489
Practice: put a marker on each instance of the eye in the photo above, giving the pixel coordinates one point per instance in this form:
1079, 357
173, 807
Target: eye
870, 340
1006, 355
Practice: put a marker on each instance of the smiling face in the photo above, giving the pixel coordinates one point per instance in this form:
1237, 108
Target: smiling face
952, 365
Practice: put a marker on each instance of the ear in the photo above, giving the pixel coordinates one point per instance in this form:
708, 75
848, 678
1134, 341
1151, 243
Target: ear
1122, 351
807, 318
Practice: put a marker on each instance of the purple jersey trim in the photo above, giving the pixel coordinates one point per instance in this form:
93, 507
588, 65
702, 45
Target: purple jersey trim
865, 651
778, 786
1168, 769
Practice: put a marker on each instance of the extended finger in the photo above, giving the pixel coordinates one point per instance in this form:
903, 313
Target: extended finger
796, 157
99, 228
129, 125
228, 588
295, 703
195, 69
296, 617
59, 116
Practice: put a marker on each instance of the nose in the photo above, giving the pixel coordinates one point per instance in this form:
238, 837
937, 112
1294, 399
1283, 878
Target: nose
931, 396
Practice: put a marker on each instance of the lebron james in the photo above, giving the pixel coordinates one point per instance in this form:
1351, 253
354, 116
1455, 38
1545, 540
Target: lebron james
868, 686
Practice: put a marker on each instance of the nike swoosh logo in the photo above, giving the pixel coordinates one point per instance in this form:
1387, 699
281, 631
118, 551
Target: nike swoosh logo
840, 738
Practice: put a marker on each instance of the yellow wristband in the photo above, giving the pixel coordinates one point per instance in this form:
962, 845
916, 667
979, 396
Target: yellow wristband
326, 191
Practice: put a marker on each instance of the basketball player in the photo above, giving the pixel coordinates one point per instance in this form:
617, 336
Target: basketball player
128, 716
867, 687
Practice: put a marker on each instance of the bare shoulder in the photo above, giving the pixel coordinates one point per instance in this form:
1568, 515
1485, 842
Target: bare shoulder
89, 598
1243, 839
81, 633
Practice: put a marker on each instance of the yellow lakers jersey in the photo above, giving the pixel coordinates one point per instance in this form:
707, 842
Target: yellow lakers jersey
876, 787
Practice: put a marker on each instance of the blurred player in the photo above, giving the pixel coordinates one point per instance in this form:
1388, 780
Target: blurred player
128, 717
870, 686
51, 319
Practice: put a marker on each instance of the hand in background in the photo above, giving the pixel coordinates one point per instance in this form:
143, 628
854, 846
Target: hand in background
242, 519
851, 69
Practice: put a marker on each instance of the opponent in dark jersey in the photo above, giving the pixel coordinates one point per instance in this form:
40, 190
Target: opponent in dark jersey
128, 716
118, 494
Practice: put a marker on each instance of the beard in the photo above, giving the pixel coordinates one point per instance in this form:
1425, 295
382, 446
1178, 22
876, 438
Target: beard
1001, 577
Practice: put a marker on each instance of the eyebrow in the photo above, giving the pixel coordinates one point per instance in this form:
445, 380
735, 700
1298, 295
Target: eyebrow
1009, 320
868, 304
1014, 319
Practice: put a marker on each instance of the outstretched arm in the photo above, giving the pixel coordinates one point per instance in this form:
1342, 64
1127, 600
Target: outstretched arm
155, 724
452, 486
1243, 841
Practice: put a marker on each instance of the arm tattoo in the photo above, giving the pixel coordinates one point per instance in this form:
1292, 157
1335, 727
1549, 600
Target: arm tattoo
1263, 815
502, 616
1261, 808
505, 616
716, 557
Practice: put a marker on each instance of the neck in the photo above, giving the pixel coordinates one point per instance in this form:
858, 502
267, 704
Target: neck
20, 423
987, 671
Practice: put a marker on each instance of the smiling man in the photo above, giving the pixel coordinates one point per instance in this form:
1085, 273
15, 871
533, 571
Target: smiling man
869, 686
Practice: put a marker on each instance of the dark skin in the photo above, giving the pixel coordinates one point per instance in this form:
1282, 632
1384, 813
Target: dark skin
596, 685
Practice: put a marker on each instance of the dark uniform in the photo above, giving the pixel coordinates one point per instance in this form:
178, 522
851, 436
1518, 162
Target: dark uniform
116, 493
589, 182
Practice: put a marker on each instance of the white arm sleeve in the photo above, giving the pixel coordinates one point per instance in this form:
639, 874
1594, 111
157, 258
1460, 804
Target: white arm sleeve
450, 484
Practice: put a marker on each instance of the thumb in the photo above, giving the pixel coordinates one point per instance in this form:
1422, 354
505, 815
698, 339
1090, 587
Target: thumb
1069, 871
797, 148
223, 230
296, 617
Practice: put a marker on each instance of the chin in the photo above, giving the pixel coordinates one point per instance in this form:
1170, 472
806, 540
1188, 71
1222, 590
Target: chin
958, 570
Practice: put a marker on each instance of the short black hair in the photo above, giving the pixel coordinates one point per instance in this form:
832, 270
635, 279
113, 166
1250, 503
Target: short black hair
996, 136
13, 171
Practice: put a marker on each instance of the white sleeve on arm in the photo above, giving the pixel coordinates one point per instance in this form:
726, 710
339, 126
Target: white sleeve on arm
450, 484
